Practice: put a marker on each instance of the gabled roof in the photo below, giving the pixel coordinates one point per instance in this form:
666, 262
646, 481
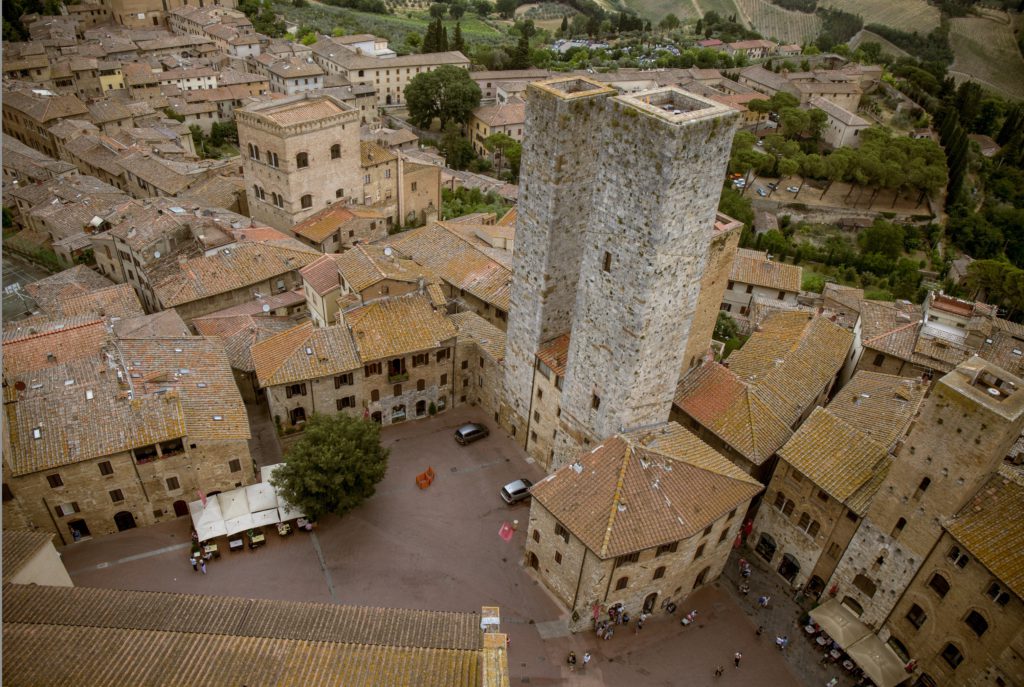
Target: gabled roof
555, 354
304, 352
118, 301
322, 224
43, 109
880, 405
847, 463
366, 265
733, 410
228, 269
488, 337
240, 332
19, 547
73, 281
372, 154
397, 326
322, 274
458, 262
53, 347
639, 490
770, 274
991, 526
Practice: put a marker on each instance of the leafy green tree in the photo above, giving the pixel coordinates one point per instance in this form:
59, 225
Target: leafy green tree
506, 8
725, 327
448, 93
457, 9
334, 467
456, 148
508, 151
482, 7
458, 43
883, 238
564, 26
438, 10
521, 53
669, 23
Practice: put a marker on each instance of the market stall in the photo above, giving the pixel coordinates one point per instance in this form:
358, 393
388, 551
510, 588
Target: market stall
850, 642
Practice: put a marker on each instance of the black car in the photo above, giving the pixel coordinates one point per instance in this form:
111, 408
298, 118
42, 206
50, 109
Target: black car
467, 434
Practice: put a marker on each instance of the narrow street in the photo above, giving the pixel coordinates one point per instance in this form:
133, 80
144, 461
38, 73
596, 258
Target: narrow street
17, 273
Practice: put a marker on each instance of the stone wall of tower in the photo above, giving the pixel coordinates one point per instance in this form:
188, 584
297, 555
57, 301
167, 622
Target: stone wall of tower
724, 240
559, 166
646, 245
959, 439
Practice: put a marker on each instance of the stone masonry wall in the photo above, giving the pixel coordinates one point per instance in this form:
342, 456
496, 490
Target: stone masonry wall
559, 170
545, 411
645, 251
721, 253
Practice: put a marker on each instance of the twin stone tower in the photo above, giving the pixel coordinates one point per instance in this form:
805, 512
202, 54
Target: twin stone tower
617, 194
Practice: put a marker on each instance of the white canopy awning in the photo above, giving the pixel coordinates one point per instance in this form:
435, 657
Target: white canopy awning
864, 648
265, 517
261, 496
233, 504
207, 521
285, 509
239, 524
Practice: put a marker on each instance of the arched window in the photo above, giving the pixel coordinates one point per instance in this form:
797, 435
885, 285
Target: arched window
339, 193
952, 656
780, 500
805, 521
898, 529
976, 621
302, 160
255, 152
958, 557
939, 585
306, 201
659, 572
335, 151
916, 616
852, 604
701, 578
252, 153
787, 510
814, 528
256, 191
900, 648
621, 583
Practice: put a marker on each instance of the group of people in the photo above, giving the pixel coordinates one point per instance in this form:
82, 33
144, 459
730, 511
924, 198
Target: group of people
571, 660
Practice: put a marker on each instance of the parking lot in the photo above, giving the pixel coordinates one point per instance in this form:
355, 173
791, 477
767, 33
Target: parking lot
439, 549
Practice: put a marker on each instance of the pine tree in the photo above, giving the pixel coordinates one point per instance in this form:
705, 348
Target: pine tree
442, 33
457, 42
565, 25
430, 38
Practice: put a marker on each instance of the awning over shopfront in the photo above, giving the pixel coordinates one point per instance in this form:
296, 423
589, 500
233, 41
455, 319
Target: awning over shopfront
864, 648
238, 510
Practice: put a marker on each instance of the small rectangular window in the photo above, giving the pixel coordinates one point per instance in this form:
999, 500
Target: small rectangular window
235, 465
116, 495
595, 401
607, 263
172, 484
106, 468
54, 481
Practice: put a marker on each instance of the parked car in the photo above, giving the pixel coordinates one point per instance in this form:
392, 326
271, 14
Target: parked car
467, 434
773, 185
793, 189
513, 492
761, 192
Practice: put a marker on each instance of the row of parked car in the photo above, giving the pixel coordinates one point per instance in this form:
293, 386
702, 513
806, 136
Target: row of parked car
513, 492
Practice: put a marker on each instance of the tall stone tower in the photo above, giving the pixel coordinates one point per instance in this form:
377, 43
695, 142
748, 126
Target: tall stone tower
559, 170
967, 425
663, 157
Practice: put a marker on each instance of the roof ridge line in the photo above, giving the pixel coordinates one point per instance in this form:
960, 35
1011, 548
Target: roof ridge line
893, 331
617, 498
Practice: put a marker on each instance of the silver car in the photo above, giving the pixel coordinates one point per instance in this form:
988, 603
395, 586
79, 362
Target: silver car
514, 492
467, 434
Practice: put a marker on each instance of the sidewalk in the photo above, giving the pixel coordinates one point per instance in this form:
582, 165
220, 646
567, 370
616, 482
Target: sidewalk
782, 617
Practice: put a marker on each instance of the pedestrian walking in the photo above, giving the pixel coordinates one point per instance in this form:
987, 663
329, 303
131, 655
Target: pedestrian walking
736, 659
639, 624
763, 600
571, 660
202, 566
719, 670
195, 564
760, 630
586, 658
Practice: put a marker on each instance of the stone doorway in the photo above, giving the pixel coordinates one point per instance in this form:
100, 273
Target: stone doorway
789, 567
649, 602
124, 521
180, 508
533, 561
79, 530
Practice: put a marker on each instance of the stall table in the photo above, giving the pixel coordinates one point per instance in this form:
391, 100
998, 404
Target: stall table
211, 550
236, 544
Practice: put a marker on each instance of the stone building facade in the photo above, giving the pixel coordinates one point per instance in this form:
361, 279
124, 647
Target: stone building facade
546, 401
299, 154
725, 239
965, 429
479, 363
604, 551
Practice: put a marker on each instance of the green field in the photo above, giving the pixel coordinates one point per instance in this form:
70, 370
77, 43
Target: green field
394, 27
905, 15
771, 21
985, 51
865, 36
656, 10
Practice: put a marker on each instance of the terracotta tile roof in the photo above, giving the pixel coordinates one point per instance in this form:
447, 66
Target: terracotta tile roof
879, 405
43, 109
736, 412
286, 300
240, 332
54, 347
770, 274
457, 262
502, 114
64, 417
890, 328
488, 337
372, 154
1007, 347
320, 225
793, 358
640, 490
991, 526
843, 461
197, 368
19, 546
366, 265
302, 111
163, 324
837, 296
74, 281
555, 354
397, 326
322, 274
228, 269
118, 301
41, 324
141, 637
510, 217
304, 352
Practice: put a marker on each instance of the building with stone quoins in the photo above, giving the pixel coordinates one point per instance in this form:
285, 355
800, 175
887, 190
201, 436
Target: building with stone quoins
612, 241
646, 517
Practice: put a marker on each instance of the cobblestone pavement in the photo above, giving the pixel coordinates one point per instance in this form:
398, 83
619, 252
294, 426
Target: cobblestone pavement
264, 446
782, 617
439, 549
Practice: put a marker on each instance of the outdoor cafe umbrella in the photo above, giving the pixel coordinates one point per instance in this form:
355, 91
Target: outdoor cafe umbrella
877, 661
839, 623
